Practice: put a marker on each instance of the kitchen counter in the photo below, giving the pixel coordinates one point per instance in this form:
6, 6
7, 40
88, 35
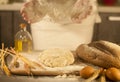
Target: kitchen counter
17, 7
15, 78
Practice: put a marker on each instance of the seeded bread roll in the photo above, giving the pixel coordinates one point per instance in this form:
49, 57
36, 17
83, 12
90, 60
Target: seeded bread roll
56, 57
101, 53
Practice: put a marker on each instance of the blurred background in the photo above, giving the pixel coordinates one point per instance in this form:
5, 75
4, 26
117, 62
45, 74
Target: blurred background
109, 2
101, 2
108, 29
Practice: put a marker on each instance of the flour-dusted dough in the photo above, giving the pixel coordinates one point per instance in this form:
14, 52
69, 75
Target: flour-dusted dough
56, 57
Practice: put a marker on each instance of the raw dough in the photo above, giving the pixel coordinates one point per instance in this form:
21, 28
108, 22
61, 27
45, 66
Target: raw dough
56, 57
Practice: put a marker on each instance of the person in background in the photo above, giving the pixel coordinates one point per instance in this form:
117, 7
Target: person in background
60, 23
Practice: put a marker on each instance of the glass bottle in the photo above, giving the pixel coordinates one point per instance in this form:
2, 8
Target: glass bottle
23, 40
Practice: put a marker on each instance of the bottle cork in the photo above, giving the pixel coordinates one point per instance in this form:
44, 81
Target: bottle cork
23, 25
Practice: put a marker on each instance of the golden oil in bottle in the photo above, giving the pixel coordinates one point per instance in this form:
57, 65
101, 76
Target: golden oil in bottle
23, 40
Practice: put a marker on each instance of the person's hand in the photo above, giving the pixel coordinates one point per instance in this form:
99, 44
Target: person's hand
81, 10
24, 12
32, 11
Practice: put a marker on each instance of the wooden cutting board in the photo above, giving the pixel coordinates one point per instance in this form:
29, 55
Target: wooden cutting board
22, 69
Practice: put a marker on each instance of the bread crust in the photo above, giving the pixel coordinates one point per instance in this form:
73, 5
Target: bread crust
101, 53
112, 48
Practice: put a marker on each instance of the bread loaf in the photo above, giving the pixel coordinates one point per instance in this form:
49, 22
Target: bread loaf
101, 53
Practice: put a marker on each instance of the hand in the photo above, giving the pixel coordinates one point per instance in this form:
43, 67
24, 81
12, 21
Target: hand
24, 12
81, 10
32, 11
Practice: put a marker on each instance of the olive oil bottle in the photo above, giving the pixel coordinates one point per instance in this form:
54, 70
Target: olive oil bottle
23, 40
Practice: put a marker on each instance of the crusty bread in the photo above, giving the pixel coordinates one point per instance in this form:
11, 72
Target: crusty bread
56, 57
101, 53
113, 48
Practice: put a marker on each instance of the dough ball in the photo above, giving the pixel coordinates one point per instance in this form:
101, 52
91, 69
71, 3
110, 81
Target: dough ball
56, 57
